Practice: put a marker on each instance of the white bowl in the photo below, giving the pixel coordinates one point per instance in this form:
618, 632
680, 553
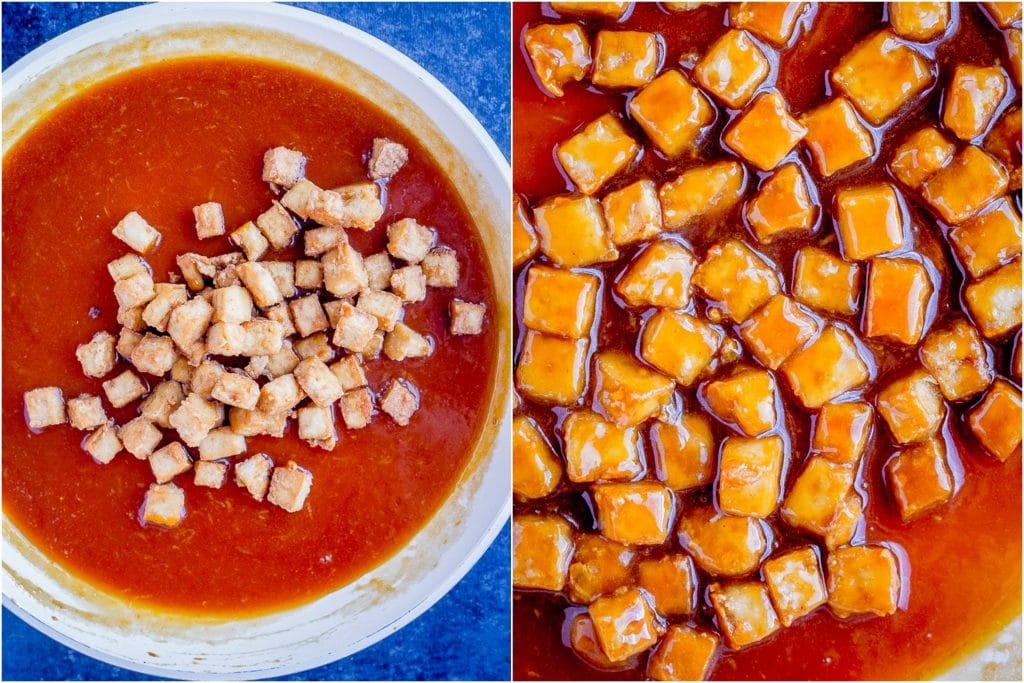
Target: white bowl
390, 596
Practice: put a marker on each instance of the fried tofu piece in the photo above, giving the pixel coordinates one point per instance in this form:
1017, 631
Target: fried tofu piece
126, 266
318, 382
919, 21
996, 420
314, 346
344, 272
316, 426
551, 369
608, 10
261, 284
263, 337
384, 306
966, 185
298, 196
137, 233
912, 406
685, 653
826, 282
85, 412
154, 355
169, 462
777, 330
881, 74
744, 400
795, 583
236, 390
103, 443
704, 191
672, 112
140, 437
409, 283
400, 400
971, 99
732, 68
283, 362
598, 567
560, 302
597, 153
319, 241
250, 240
226, 339
782, 205
309, 274
625, 59
772, 22
466, 318
994, 301
210, 474
684, 452
404, 342
958, 360
283, 273
919, 478
863, 580
624, 623
524, 238
722, 545
598, 450
97, 355
256, 422
847, 522
736, 279
920, 155
765, 133
410, 241
441, 267
127, 340
560, 54
671, 581
131, 318
536, 470
1003, 140
869, 221
583, 641
816, 497
680, 345
1003, 14
283, 166
354, 329
205, 377
121, 390
387, 158
222, 442
253, 474
988, 241
836, 138
209, 220
378, 270
232, 304
896, 304
356, 408
748, 475
164, 506
659, 275
542, 548
135, 291
308, 315
290, 486
189, 322
626, 391
841, 431
828, 367
632, 214
195, 418
744, 611
351, 206
350, 372
157, 312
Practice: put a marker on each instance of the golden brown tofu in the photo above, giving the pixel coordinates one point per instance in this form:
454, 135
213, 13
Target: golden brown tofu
626, 391
827, 282
814, 500
1013, 51
625, 59
572, 231
684, 452
560, 302
732, 68
827, 368
596, 154
863, 580
881, 74
996, 421
896, 303
919, 21
632, 214
583, 641
536, 470
560, 54
598, 567
524, 238
684, 654
671, 581
736, 279
777, 330
552, 369
542, 547
919, 478
782, 205
634, 513
869, 221
679, 344
795, 583
912, 406
659, 275
1003, 141
1003, 14
971, 99
920, 155
958, 360
596, 449
722, 545
748, 475
744, 400
672, 112
836, 138
994, 301
765, 132
705, 191
988, 241
772, 22
610, 10
625, 623
841, 431
846, 524
966, 185
744, 611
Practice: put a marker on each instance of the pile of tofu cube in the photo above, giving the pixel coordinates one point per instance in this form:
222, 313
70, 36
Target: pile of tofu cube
727, 328
235, 346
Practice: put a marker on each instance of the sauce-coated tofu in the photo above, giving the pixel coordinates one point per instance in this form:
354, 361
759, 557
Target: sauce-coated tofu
551, 369
137, 233
594, 155
598, 567
632, 214
827, 282
44, 407
736, 279
194, 419
169, 462
707, 191
745, 613
542, 548
356, 407
847, 523
536, 470
828, 367
222, 443
560, 54
765, 132
744, 400
210, 474
748, 475
139, 437
777, 330
869, 221
684, 654
772, 22
524, 238
560, 302
289, 487
912, 406
795, 583
919, 21
625, 623
679, 344
626, 391
583, 641
732, 68
971, 99
816, 496
920, 155
410, 241
466, 317
625, 59
103, 443
672, 112
85, 412
841, 431
122, 390
684, 452
782, 205
609, 10
441, 267
835, 137
596, 449
671, 581
97, 355
634, 513
386, 158
1003, 14
722, 545
253, 474
988, 241
881, 74
659, 275
572, 231
863, 580
958, 360
400, 401
409, 283
164, 505
994, 301
919, 478
996, 421
966, 185
896, 303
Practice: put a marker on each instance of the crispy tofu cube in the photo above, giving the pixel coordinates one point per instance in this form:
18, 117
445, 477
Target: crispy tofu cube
1003, 14
919, 21
386, 158
536, 470
598, 450
120, 391
782, 205
551, 369
626, 391
127, 340
316, 426
972, 97
314, 346
85, 412
378, 270
210, 474
319, 241
281, 314
154, 354
409, 241
912, 406
157, 312
195, 268
745, 401
722, 545
524, 237
748, 475
988, 241
232, 304
308, 315
355, 328
684, 452
863, 580
283, 362
409, 283
962, 188
205, 377
260, 282
795, 583
836, 138
994, 301
350, 373
400, 400
309, 274
881, 74
209, 220
250, 240
290, 486
189, 322
707, 191
317, 381
772, 22
441, 267
253, 474
352, 206
671, 581
625, 59
744, 611
1003, 140
816, 496
138, 234
283, 273
920, 155
263, 337
103, 443
560, 302
126, 266
672, 112
777, 330
633, 213
827, 282
841, 431
195, 417
221, 442
140, 437
236, 390
765, 132
659, 275
572, 232
97, 355
869, 221
384, 306
596, 154
599, 566
134, 291
255, 422
344, 272
583, 641
542, 547
283, 166
996, 420
404, 342
736, 279
898, 293
679, 345
164, 506
919, 478
684, 654
131, 318
169, 462
560, 54
958, 360
846, 524
732, 68
828, 367
181, 371
608, 10
624, 623
356, 408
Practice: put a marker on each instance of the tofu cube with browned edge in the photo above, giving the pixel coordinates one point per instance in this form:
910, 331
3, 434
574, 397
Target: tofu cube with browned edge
404, 342
97, 355
253, 474
707, 191
863, 579
255, 422
898, 293
777, 330
316, 426
772, 22
283, 166
836, 138
626, 391
748, 475
344, 272
280, 395
560, 54
86, 412
290, 486
996, 420
597, 153
552, 369
354, 329
169, 462
827, 282
542, 548
994, 301
988, 241
732, 68
684, 654
919, 478
441, 267
387, 158
599, 566
608, 10
744, 400
356, 407
816, 497
250, 240
660, 275
123, 389
350, 372
209, 220
318, 382
164, 505
210, 474
572, 231
634, 513
205, 377
234, 389
869, 221
410, 241
134, 292
958, 360
736, 280
351, 206
684, 452
919, 21
583, 641
920, 155
744, 611
220, 443
680, 345
625, 59
103, 443
912, 406
195, 417
966, 185
971, 99
598, 450
137, 233
765, 133
231, 304
400, 400
309, 274
826, 368
154, 355
157, 312
125, 266
467, 318
672, 112
140, 437
671, 581
845, 527
782, 205
624, 623
841, 431
633, 213
188, 323
721, 544
44, 407
524, 237
795, 583
560, 302
536, 469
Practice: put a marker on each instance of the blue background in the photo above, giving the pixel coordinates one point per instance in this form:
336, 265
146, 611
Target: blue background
467, 634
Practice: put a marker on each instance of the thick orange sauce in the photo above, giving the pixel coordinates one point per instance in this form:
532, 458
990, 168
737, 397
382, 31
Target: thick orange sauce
160, 140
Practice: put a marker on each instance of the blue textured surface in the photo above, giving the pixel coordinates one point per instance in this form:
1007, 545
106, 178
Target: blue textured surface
465, 636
